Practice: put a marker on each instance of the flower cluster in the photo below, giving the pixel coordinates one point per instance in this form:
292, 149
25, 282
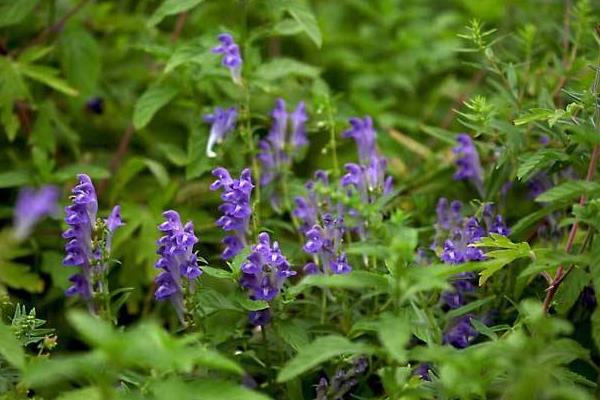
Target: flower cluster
323, 227
342, 382
32, 206
461, 333
178, 262
88, 240
223, 122
235, 208
368, 177
264, 273
467, 161
231, 56
284, 141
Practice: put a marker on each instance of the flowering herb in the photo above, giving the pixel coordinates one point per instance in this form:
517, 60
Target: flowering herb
178, 262
285, 140
467, 162
231, 56
343, 381
88, 244
32, 206
235, 208
223, 122
264, 273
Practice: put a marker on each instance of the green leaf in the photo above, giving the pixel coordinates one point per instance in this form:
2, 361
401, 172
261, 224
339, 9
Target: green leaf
321, 350
170, 7
355, 280
10, 347
293, 333
14, 178
535, 114
209, 389
80, 59
394, 333
152, 100
198, 161
48, 76
596, 327
88, 393
45, 372
305, 18
14, 11
284, 67
70, 172
532, 163
287, 27
19, 276
570, 289
569, 191
158, 170
195, 53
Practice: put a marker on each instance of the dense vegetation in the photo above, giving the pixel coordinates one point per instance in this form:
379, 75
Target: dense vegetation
288, 199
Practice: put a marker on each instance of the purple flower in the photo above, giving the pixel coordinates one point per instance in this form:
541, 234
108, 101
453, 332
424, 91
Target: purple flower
280, 146
423, 370
95, 105
461, 333
231, 56
223, 122
368, 177
33, 205
538, 184
81, 218
265, 270
342, 382
467, 162
88, 241
235, 208
177, 260
260, 317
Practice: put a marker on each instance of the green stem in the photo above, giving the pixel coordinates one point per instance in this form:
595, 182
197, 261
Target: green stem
332, 141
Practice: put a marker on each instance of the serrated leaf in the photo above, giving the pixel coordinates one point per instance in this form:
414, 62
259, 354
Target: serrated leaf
10, 347
570, 289
532, 163
14, 11
152, 100
321, 350
195, 53
19, 276
80, 59
171, 7
569, 191
293, 333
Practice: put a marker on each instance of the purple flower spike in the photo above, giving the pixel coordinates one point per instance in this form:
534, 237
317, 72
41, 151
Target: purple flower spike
368, 177
265, 271
231, 56
467, 163
32, 206
177, 260
235, 208
113, 222
223, 122
299, 118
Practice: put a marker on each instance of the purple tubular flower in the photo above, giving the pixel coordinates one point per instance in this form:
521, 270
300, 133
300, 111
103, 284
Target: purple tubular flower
423, 370
467, 163
81, 218
461, 333
265, 270
260, 317
223, 122
32, 206
298, 119
177, 260
235, 208
231, 56
368, 177
113, 222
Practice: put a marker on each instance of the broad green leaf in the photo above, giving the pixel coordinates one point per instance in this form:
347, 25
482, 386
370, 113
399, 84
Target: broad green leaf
570, 289
70, 172
198, 162
355, 280
88, 393
80, 59
394, 333
45, 372
284, 67
170, 7
305, 18
10, 347
569, 191
14, 11
293, 333
158, 170
91, 328
319, 351
19, 276
152, 100
287, 27
48, 76
208, 389
14, 178
195, 53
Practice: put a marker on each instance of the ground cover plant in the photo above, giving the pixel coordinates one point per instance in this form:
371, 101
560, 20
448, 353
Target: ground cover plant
287, 199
